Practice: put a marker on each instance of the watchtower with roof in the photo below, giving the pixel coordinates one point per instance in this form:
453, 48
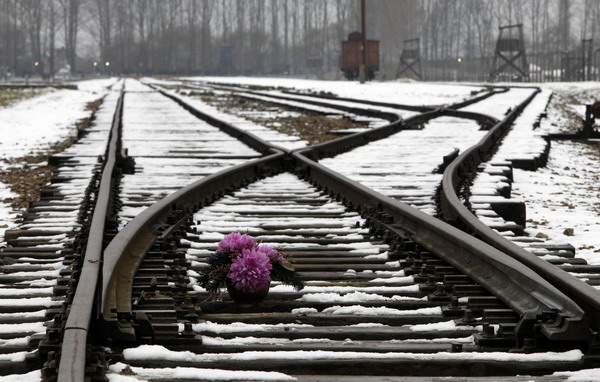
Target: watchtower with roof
410, 58
510, 54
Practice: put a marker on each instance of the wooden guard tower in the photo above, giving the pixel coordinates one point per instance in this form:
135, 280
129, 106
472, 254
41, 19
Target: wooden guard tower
510, 48
410, 58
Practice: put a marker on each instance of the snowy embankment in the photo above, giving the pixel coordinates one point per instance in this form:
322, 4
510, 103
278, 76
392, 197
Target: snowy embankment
32, 126
562, 195
500, 104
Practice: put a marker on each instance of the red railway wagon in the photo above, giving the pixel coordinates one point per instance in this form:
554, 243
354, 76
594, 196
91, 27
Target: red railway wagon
352, 56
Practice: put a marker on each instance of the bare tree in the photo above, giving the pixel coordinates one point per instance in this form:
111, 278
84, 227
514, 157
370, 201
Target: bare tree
31, 12
564, 24
101, 15
70, 10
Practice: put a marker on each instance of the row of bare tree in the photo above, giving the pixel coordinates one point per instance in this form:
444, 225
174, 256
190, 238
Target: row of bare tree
267, 36
28, 33
175, 36
469, 28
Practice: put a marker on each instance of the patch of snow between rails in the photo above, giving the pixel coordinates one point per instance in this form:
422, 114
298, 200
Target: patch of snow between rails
156, 352
585, 375
196, 374
381, 311
499, 104
33, 376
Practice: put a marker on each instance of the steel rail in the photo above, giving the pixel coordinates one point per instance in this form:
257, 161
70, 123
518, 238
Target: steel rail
243, 136
120, 255
483, 119
420, 109
391, 117
572, 323
346, 143
349, 142
73, 349
125, 252
453, 209
523, 290
520, 288
451, 111
470, 101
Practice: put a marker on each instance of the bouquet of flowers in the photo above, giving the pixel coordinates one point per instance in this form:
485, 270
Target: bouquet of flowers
248, 266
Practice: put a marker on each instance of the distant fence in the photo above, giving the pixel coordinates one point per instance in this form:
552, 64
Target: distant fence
547, 67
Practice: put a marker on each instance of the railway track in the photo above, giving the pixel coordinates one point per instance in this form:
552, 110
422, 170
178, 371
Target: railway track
37, 262
390, 290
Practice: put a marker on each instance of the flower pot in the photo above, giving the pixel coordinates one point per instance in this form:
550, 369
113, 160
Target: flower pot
243, 297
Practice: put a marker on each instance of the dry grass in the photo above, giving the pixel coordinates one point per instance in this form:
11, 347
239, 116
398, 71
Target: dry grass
309, 126
11, 96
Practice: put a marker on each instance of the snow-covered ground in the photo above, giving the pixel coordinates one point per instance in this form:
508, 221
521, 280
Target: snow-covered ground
34, 125
407, 93
500, 104
563, 195
269, 135
566, 193
404, 165
167, 142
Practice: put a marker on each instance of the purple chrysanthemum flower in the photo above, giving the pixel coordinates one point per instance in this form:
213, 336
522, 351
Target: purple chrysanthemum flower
271, 253
235, 242
250, 271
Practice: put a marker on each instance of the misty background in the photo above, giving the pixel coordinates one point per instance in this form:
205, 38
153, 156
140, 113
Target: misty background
457, 38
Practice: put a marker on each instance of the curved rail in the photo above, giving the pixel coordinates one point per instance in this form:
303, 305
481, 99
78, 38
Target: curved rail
367, 112
243, 136
454, 210
349, 142
524, 290
520, 288
465, 103
451, 110
73, 352
125, 252
422, 109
